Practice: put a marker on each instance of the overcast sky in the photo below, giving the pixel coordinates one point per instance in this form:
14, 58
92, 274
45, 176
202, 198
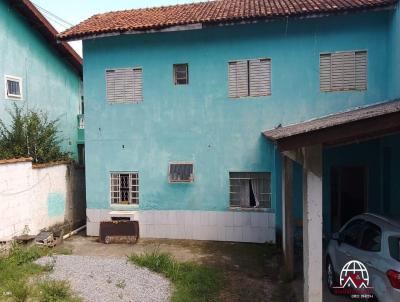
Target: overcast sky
75, 11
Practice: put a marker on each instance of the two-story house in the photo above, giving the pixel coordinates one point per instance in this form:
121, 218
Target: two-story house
204, 120
40, 73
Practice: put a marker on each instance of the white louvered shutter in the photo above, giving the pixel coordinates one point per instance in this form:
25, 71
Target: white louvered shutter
325, 72
343, 71
124, 85
361, 70
138, 85
260, 77
238, 79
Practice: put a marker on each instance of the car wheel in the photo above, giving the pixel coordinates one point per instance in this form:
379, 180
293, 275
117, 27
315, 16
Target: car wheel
330, 275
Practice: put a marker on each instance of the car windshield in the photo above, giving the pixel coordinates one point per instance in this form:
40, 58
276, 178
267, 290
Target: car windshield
394, 247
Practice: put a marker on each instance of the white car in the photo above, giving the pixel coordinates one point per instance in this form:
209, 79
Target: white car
374, 241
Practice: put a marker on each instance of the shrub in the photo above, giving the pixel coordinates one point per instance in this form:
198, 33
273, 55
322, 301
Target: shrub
30, 134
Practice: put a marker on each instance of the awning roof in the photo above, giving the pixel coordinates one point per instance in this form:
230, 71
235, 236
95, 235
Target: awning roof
355, 124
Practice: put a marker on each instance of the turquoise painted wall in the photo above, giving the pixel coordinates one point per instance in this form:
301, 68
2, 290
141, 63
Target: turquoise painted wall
394, 54
369, 154
49, 83
199, 122
55, 204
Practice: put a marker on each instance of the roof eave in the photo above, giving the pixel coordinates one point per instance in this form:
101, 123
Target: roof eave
41, 24
228, 22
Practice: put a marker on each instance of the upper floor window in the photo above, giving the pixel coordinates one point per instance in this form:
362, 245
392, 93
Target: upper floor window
250, 189
124, 85
343, 71
249, 78
13, 87
181, 74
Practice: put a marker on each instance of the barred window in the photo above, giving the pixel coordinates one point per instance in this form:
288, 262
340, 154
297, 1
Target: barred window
13, 87
124, 85
250, 189
181, 172
343, 71
124, 188
249, 78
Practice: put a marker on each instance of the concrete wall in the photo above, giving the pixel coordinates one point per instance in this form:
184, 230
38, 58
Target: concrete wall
383, 193
49, 82
39, 197
198, 122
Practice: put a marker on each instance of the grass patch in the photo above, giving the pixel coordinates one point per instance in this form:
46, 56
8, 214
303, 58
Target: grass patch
17, 270
56, 291
193, 282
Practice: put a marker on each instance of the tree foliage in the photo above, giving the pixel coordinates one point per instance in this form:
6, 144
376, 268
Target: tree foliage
30, 134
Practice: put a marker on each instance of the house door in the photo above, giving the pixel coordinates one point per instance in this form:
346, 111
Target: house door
348, 194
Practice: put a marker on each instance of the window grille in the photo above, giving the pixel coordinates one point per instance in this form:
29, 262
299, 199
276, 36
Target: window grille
250, 189
124, 85
125, 188
181, 172
13, 87
249, 78
343, 71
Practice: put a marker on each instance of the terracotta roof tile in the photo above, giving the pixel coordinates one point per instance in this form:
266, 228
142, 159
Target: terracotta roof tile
210, 12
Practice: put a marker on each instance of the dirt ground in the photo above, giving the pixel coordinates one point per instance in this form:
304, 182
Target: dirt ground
251, 271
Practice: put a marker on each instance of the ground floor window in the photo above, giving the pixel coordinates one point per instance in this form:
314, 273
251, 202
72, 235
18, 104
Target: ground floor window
250, 189
124, 188
180, 172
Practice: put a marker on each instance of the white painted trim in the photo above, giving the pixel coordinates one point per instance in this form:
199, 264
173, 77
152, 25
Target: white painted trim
13, 97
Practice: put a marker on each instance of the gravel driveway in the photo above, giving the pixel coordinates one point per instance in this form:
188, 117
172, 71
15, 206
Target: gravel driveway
108, 279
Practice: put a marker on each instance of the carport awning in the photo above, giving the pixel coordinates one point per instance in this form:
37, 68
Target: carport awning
340, 128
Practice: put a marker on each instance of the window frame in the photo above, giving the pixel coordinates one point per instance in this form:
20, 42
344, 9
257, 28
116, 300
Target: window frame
355, 77
394, 254
232, 206
13, 96
181, 163
174, 71
249, 95
342, 232
130, 185
365, 226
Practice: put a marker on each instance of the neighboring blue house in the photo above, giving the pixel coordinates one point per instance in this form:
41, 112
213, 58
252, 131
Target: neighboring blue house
38, 72
178, 98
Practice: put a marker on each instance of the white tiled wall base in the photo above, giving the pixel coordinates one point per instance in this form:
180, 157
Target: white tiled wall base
257, 227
